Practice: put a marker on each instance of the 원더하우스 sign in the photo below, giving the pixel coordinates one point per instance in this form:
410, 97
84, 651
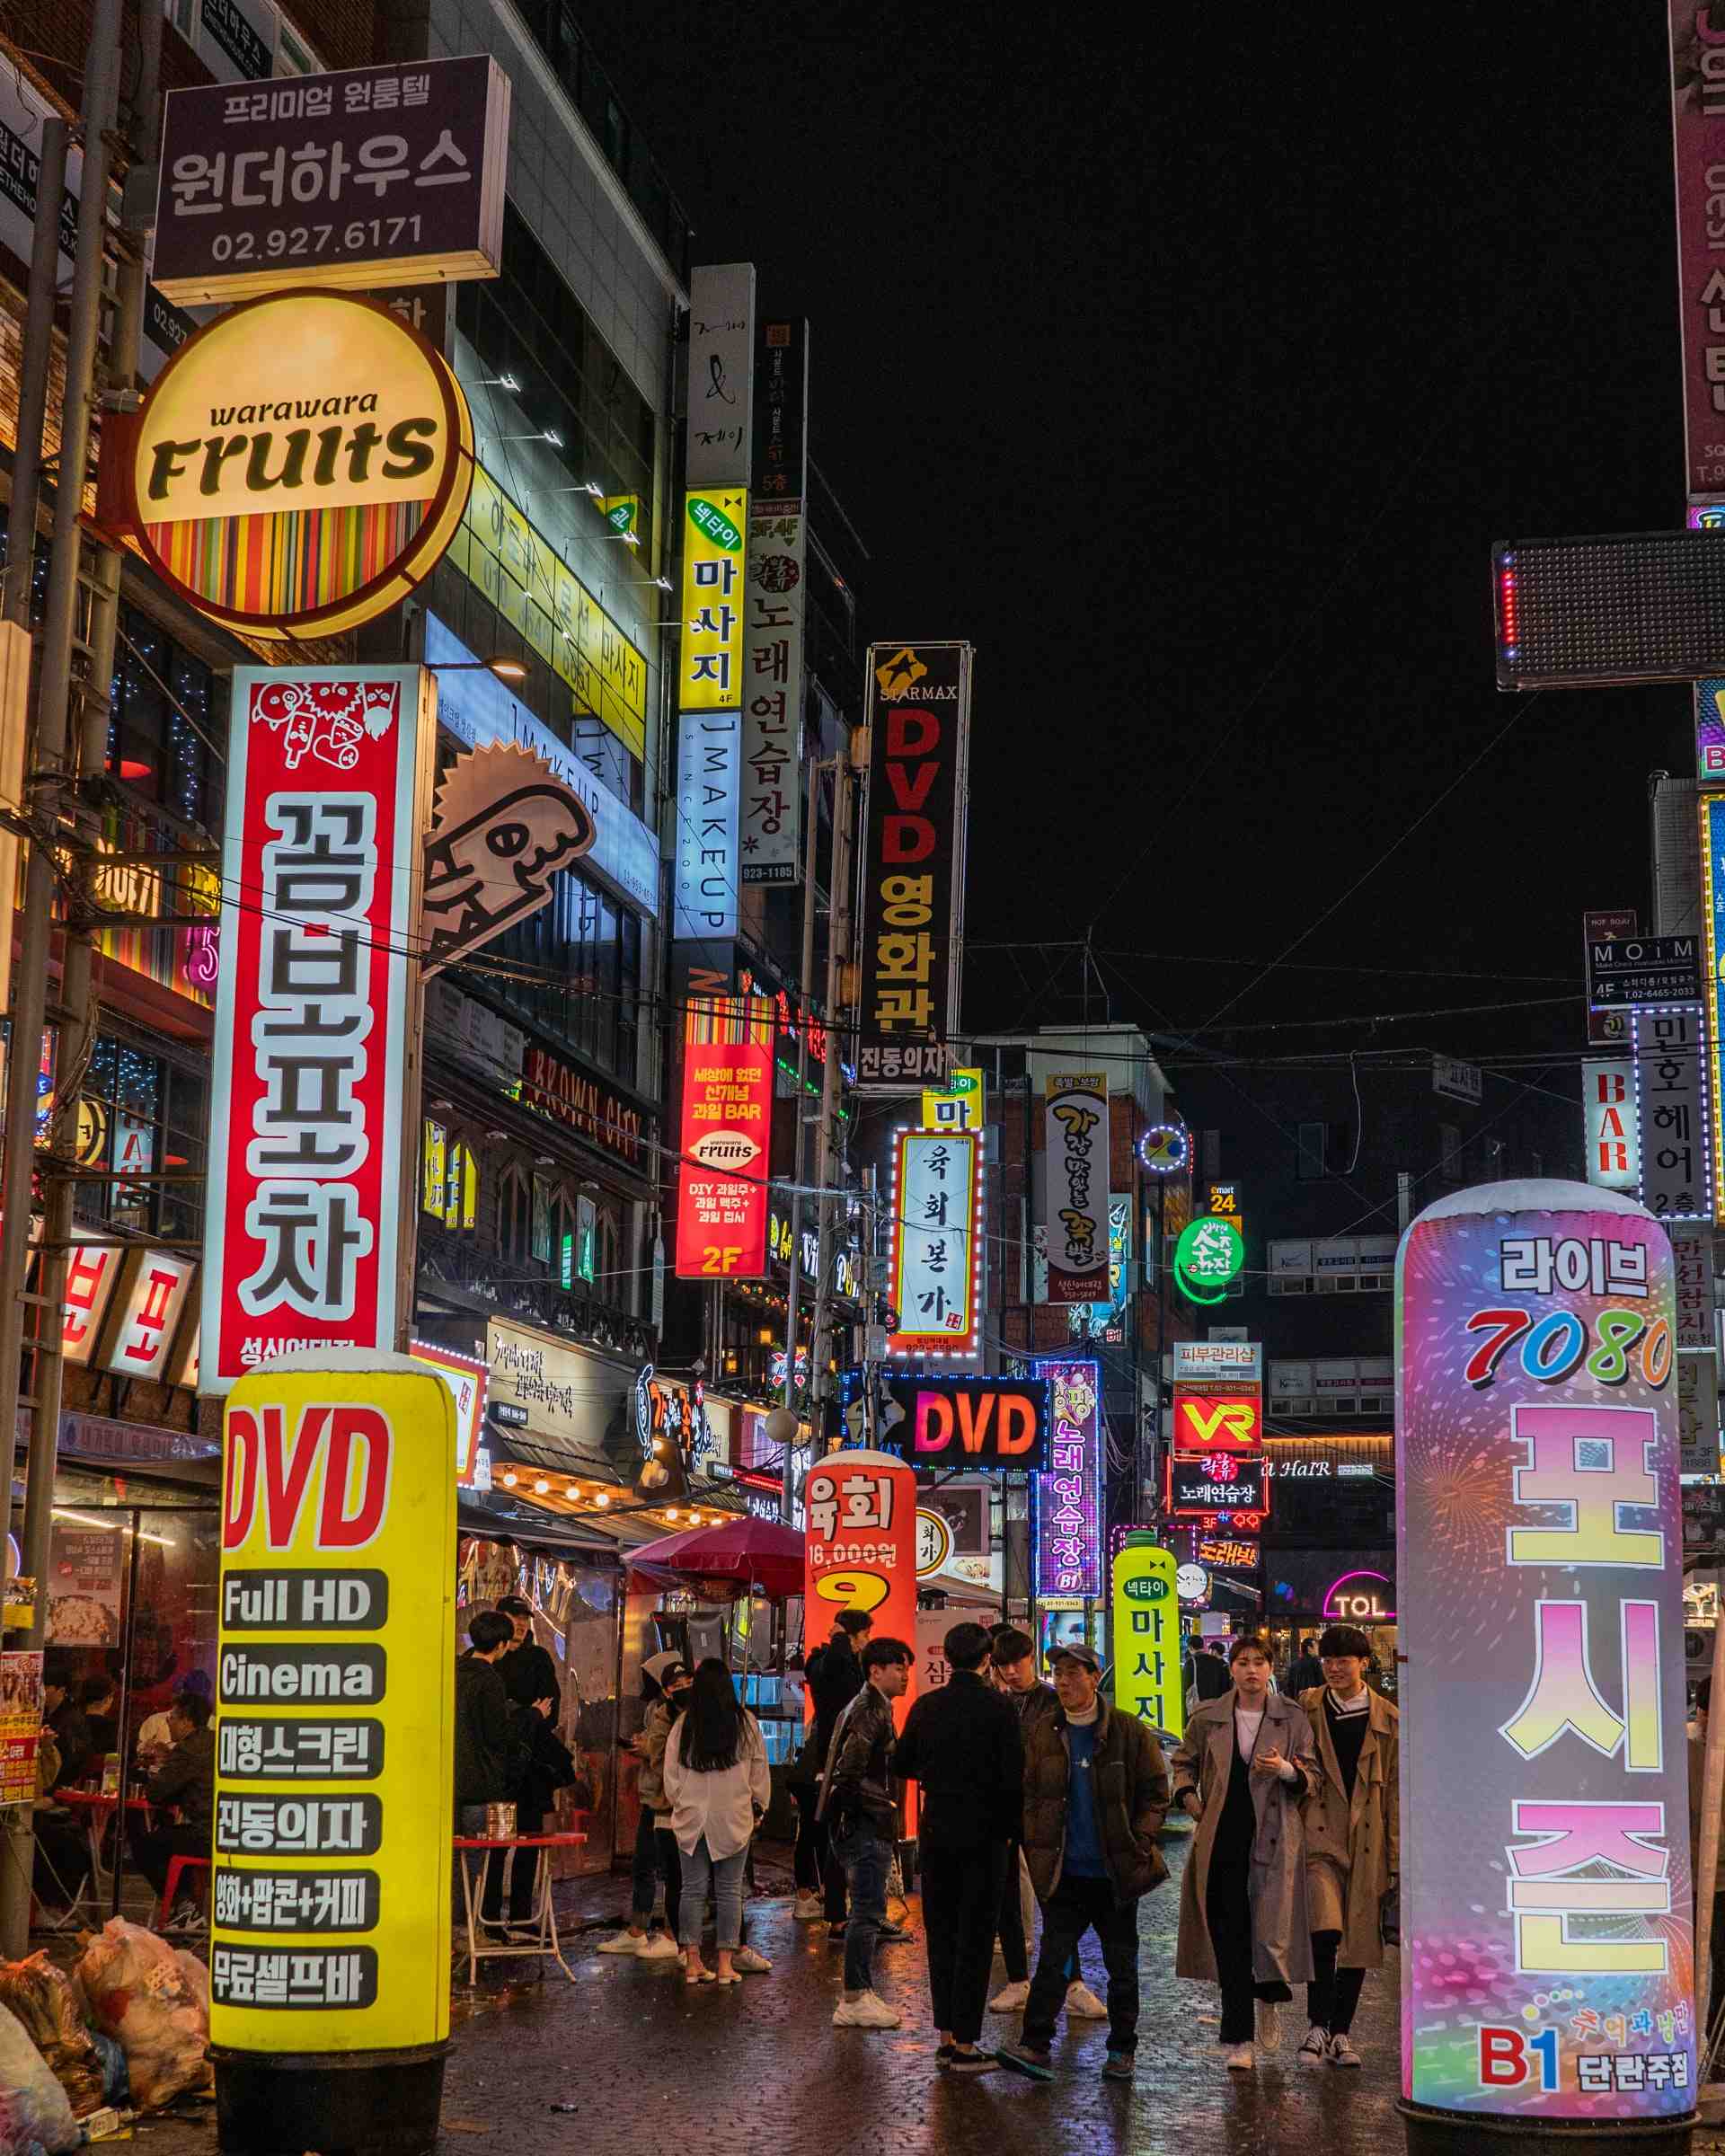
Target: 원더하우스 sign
312, 1158
372, 177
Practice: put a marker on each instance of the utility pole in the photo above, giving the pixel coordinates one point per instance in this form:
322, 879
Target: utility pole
787, 1478
827, 1152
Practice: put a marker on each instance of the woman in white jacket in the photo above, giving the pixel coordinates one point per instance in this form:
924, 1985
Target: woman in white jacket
717, 1781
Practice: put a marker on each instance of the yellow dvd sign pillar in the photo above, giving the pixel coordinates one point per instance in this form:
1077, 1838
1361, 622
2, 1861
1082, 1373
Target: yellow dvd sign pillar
334, 1771
1148, 1684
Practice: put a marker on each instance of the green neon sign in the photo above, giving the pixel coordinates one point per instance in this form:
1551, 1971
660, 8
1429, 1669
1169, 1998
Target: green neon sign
1207, 1258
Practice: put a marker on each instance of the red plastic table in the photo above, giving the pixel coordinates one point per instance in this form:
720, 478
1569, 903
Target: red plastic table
541, 1919
98, 1806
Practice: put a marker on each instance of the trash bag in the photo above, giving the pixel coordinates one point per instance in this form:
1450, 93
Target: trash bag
197, 1976
139, 1994
116, 2085
36, 2105
38, 1995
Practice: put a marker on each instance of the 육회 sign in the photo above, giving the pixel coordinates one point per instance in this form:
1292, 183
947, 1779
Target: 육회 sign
860, 1545
335, 1731
312, 1158
948, 1420
371, 177
1149, 1682
297, 467
1537, 1502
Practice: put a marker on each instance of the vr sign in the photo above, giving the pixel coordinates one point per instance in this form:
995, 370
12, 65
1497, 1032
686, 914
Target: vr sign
972, 1421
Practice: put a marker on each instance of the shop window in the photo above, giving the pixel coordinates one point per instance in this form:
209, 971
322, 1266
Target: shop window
140, 1116
162, 722
540, 1239
515, 1216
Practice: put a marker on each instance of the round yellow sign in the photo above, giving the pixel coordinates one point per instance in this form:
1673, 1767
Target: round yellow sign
300, 464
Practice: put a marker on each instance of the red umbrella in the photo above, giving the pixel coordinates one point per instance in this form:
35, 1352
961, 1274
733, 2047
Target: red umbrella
729, 1558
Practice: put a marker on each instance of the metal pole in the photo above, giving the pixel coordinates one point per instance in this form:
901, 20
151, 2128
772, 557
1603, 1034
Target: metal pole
32, 394
122, 1735
838, 944
51, 761
787, 1479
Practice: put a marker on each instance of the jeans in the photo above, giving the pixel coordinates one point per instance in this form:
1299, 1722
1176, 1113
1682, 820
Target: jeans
1014, 1949
1075, 1906
867, 1859
523, 1870
811, 1841
725, 1874
670, 1869
1333, 1993
643, 1881
961, 1899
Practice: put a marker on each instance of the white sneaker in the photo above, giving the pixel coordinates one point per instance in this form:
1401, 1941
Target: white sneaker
1010, 1999
867, 2011
749, 1961
1237, 2058
661, 1946
626, 1942
1342, 2051
1315, 2050
808, 1907
1084, 2005
1270, 2024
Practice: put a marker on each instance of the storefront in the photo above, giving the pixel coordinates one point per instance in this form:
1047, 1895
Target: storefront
1304, 1590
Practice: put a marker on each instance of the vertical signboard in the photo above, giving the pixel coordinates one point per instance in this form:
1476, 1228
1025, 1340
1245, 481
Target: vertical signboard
936, 1243
335, 1710
1671, 1111
711, 647
722, 1165
1698, 147
1069, 1498
860, 1547
773, 596
1607, 1028
327, 777
1075, 1187
1148, 1682
722, 346
1610, 1129
709, 790
21, 1724
913, 859
1712, 941
1537, 1509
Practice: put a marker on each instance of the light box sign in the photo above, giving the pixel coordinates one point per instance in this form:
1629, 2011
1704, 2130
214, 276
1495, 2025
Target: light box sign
1149, 1682
951, 1421
1224, 1484
298, 468
1671, 1112
1698, 149
936, 1243
709, 800
860, 1547
1074, 1161
367, 177
156, 1297
713, 558
465, 1376
1713, 929
1547, 1894
1069, 1498
1709, 733
310, 1161
1218, 1364
1611, 1126
721, 1170
335, 1711
1208, 1422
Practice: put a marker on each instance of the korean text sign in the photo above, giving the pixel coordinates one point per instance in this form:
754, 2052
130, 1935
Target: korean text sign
713, 561
1148, 1682
1539, 1579
913, 852
1069, 1498
1075, 1199
372, 177
326, 783
935, 1238
1698, 143
722, 1173
1671, 1111
860, 1546
335, 1709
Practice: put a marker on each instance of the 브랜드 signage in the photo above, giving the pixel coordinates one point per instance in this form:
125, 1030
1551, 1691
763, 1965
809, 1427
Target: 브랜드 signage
1207, 1422
970, 1422
1549, 1777
933, 1240
1692, 1254
154, 1300
503, 827
1224, 1483
1627, 970
773, 679
465, 1374
1611, 1127
1067, 1519
960, 1104
551, 1087
1149, 1682
913, 859
335, 1697
723, 1162
1671, 1111
312, 1155
1075, 1187
297, 467
371, 177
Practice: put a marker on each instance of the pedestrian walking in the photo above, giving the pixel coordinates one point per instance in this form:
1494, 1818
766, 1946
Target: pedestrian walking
1305, 1671
1014, 1665
664, 1680
857, 1804
832, 1678
962, 1745
1353, 1840
717, 1780
1243, 1770
1095, 1795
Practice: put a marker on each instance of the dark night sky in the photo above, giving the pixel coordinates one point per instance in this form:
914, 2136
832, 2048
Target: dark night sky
1191, 372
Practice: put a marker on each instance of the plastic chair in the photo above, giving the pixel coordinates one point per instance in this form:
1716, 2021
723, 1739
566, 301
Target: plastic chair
177, 1869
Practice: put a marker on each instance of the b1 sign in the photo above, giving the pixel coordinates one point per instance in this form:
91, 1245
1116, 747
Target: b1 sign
1540, 1584
328, 780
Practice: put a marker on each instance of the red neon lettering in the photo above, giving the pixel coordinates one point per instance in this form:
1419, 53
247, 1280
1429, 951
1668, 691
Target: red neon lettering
368, 1429
1016, 1430
973, 1420
934, 1422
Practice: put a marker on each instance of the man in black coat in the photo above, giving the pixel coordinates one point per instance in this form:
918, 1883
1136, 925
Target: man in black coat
529, 1673
962, 1744
833, 1678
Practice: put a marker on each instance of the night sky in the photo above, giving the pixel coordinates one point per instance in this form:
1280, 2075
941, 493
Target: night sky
1191, 372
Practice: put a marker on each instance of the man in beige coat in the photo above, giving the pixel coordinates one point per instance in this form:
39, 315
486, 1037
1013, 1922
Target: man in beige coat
1353, 1840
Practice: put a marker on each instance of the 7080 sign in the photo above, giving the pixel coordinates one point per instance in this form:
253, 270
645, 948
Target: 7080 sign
1551, 1347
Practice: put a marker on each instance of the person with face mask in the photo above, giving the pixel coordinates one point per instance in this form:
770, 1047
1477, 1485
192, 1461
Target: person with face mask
665, 1679
1245, 1768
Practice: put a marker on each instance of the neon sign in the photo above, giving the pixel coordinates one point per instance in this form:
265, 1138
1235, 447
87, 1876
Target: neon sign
1360, 1598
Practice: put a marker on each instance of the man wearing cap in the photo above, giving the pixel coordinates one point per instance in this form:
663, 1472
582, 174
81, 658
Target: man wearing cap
1095, 1795
961, 1744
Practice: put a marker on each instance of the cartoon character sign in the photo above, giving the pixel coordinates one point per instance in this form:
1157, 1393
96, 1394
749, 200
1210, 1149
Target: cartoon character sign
504, 827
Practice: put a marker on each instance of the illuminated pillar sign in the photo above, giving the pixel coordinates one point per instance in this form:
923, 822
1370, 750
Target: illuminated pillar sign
335, 1714
1148, 1679
1069, 1498
1540, 1589
860, 1545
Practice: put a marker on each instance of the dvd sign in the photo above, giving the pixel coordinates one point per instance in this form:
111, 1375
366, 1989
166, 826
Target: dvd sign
970, 1422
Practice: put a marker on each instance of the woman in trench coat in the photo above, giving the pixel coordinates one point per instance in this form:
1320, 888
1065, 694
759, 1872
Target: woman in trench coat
1246, 1768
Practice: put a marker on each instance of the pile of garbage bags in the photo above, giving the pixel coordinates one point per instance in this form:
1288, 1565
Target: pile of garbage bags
129, 2026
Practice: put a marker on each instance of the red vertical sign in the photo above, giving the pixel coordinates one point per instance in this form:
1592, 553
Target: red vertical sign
721, 1175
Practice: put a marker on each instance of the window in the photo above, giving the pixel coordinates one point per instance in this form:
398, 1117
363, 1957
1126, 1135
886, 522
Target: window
143, 1112
1449, 1153
515, 1216
1311, 1151
153, 745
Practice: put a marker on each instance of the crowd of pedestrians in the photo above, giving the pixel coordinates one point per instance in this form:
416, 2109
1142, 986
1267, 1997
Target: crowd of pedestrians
1034, 1799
